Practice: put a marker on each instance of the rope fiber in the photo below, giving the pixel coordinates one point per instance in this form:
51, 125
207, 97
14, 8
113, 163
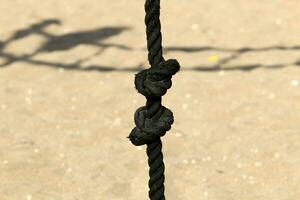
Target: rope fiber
154, 120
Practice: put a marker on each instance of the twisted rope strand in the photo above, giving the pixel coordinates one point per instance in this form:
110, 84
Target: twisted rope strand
154, 120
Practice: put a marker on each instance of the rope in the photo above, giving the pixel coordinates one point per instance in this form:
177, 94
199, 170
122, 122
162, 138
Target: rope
154, 120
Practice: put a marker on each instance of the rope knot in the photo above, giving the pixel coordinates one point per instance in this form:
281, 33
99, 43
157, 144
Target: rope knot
155, 81
148, 130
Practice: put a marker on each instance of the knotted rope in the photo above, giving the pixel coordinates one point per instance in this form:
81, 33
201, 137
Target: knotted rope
154, 120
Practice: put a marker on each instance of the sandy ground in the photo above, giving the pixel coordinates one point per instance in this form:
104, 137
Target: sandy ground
67, 100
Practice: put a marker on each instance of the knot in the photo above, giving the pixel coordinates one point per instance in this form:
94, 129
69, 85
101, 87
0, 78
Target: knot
154, 82
148, 130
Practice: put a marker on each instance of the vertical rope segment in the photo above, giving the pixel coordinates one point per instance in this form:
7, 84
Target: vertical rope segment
153, 120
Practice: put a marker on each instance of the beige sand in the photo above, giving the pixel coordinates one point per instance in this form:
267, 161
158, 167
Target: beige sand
63, 132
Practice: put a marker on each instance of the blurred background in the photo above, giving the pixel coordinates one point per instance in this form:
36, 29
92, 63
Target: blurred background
67, 99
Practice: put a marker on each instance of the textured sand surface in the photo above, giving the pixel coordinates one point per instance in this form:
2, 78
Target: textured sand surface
67, 100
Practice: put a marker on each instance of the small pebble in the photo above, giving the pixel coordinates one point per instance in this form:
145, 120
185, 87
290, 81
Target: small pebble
184, 106
295, 83
278, 21
5, 162
29, 91
239, 165
221, 73
69, 170
3, 106
36, 150
27, 99
254, 150
187, 96
29, 197
271, 96
193, 161
258, 164
206, 159
100, 83
205, 194
204, 179
61, 69
276, 155
185, 161
213, 58
178, 134
194, 26
117, 121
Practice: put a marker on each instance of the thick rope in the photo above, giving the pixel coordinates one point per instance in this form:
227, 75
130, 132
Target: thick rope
154, 120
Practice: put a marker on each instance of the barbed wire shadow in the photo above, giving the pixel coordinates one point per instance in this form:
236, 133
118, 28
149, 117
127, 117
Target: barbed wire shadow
62, 42
96, 38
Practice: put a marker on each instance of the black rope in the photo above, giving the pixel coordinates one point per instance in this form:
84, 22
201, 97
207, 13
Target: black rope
154, 120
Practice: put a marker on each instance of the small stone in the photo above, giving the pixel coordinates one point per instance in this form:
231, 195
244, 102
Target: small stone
100, 82
69, 170
276, 155
278, 21
221, 73
187, 96
239, 165
193, 161
36, 150
194, 26
178, 134
213, 58
27, 99
271, 96
5, 162
258, 164
29, 197
204, 179
294, 83
205, 194
61, 70
185, 161
3, 106
117, 120
254, 150
29, 91
184, 106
